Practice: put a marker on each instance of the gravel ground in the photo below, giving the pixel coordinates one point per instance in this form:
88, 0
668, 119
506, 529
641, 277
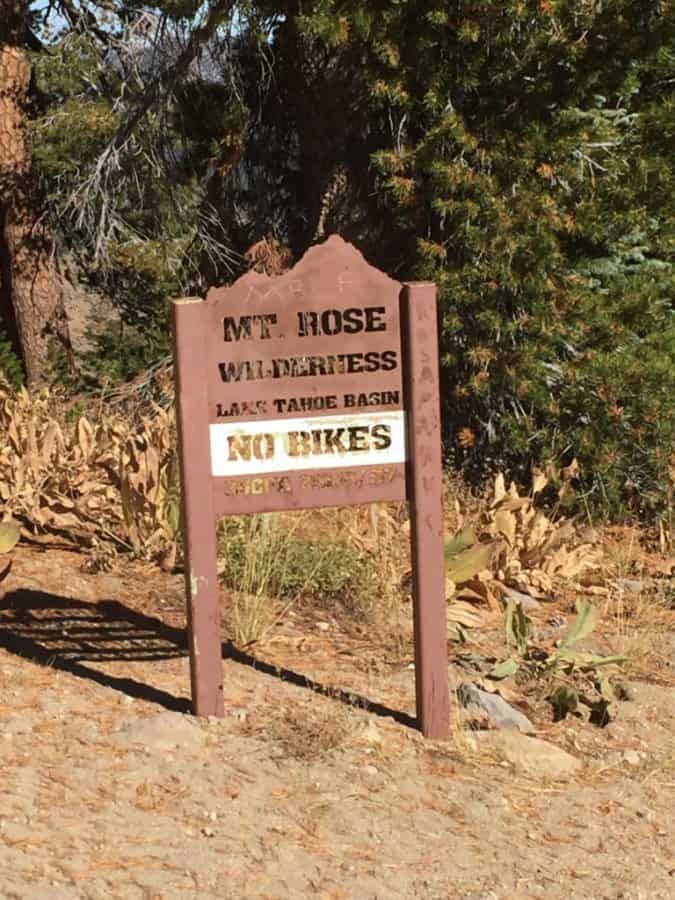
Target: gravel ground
109, 791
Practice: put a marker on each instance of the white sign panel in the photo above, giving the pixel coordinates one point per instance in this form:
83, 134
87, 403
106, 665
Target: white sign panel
290, 445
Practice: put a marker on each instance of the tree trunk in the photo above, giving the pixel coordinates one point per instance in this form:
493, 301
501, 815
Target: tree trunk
31, 290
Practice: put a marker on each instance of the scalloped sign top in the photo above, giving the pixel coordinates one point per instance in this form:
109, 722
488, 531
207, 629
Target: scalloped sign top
304, 382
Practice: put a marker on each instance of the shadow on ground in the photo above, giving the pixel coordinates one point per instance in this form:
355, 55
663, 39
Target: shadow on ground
66, 634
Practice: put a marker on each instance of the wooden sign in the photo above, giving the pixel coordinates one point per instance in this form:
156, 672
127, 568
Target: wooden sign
314, 388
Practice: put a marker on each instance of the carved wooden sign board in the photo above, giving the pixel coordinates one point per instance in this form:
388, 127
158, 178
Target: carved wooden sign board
314, 388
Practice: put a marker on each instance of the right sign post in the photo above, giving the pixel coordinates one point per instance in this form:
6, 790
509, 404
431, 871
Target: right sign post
424, 489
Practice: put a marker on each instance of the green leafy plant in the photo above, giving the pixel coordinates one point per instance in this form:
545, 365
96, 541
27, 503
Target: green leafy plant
11, 370
561, 662
565, 658
270, 566
596, 707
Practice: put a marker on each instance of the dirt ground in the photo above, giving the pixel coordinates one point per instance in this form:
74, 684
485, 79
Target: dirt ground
110, 790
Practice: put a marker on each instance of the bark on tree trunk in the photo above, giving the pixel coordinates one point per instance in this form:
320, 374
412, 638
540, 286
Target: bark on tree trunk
31, 289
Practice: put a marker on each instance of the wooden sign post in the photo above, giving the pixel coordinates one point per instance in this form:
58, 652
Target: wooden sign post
314, 388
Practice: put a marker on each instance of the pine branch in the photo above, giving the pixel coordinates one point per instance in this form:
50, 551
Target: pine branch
172, 72
82, 20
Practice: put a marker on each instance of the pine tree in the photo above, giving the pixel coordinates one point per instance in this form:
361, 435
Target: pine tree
31, 290
528, 169
517, 153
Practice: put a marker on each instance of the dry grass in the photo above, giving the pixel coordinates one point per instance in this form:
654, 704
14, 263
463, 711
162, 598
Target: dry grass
637, 610
256, 608
307, 731
254, 617
345, 563
636, 624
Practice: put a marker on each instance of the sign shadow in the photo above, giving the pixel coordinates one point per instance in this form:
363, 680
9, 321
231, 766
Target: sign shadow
66, 634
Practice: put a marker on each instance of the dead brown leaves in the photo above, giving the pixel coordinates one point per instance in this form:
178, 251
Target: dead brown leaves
269, 257
513, 547
106, 479
536, 551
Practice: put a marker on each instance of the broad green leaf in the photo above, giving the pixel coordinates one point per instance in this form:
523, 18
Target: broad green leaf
565, 701
586, 619
172, 512
467, 564
503, 669
518, 626
577, 659
9, 536
606, 689
461, 541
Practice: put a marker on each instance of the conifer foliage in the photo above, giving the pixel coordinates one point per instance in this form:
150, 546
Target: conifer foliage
519, 153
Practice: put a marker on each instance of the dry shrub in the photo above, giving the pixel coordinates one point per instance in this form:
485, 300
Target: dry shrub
103, 477
379, 534
269, 257
504, 545
514, 546
535, 550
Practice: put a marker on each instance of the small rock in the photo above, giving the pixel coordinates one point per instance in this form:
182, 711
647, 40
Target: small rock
634, 585
500, 713
322, 626
528, 603
632, 757
371, 734
624, 691
370, 770
208, 832
532, 755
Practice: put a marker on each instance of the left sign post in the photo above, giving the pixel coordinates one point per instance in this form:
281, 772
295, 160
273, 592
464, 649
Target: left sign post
198, 515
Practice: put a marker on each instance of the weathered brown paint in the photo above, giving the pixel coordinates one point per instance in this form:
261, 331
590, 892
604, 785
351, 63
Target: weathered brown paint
198, 517
331, 277
425, 493
392, 488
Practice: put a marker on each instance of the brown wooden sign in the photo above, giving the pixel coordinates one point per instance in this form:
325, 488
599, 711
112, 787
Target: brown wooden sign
318, 387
